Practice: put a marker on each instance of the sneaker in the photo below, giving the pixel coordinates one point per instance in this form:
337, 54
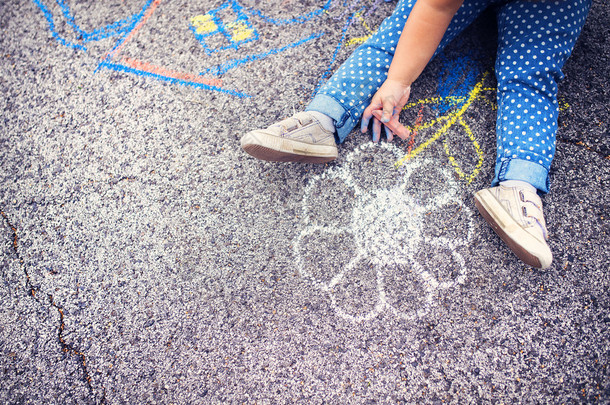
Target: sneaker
515, 214
300, 138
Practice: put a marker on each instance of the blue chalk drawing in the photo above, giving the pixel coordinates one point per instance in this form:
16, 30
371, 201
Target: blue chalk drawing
296, 20
227, 27
239, 30
117, 28
333, 59
49, 17
164, 78
456, 80
232, 64
236, 32
114, 29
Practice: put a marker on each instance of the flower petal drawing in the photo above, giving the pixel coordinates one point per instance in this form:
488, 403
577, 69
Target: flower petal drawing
384, 258
320, 250
356, 292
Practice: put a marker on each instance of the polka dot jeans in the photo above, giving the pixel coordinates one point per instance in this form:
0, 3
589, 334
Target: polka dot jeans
535, 38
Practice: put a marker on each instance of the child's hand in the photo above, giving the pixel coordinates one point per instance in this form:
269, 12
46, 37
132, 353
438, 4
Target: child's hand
385, 108
392, 127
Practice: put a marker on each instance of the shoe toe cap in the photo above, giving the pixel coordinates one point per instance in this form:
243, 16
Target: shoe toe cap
247, 139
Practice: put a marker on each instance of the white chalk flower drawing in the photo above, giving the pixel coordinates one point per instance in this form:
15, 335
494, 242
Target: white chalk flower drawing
374, 251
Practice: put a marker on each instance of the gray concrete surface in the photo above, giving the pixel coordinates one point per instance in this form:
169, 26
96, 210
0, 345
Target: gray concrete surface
146, 259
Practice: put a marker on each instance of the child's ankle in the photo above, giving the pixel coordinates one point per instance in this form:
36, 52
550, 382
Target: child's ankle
518, 183
326, 122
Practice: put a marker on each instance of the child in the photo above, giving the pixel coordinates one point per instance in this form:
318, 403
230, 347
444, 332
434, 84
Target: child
534, 40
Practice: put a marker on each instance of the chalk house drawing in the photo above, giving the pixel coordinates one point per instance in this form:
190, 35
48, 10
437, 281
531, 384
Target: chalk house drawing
236, 32
227, 27
385, 232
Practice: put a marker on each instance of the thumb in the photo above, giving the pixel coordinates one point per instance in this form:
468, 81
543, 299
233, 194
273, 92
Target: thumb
388, 109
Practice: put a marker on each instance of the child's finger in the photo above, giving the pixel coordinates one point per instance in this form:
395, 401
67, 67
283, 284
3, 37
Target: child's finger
388, 110
367, 115
396, 127
388, 134
364, 126
403, 133
376, 130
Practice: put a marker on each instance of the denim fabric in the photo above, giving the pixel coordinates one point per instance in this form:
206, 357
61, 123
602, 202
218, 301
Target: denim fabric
534, 41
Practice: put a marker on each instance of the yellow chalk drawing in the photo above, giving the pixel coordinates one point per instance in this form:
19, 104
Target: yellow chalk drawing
456, 118
437, 100
452, 118
448, 120
477, 149
204, 24
240, 31
361, 40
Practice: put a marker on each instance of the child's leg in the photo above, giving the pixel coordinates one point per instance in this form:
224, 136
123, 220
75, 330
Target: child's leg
534, 41
345, 96
309, 136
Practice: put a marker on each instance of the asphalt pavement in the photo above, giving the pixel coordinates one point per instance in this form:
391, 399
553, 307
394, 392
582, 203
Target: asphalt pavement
145, 258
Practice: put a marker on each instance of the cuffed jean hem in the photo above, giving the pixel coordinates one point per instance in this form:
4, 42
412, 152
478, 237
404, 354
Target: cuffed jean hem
524, 170
344, 121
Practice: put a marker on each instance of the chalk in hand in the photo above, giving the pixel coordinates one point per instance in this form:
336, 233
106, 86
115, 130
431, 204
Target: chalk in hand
396, 127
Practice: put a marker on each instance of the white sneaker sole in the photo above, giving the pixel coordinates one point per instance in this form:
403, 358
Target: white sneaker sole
278, 149
523, 244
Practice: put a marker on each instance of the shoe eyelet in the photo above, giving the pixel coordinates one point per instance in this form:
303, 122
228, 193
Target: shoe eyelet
521, 196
